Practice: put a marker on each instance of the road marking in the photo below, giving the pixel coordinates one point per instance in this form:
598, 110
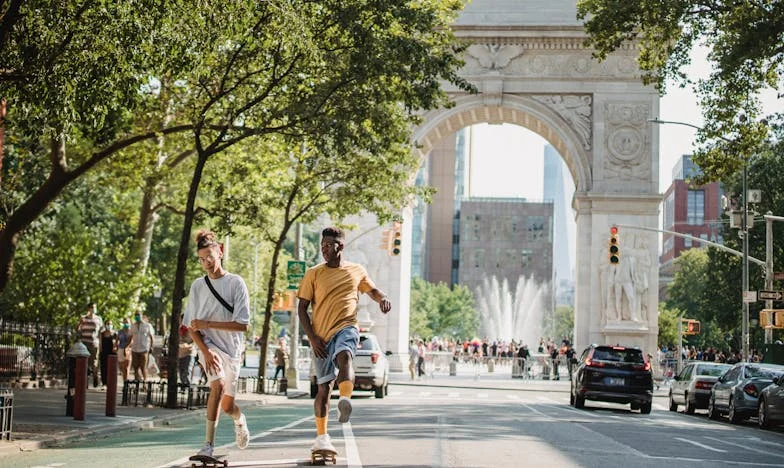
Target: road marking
453, 395
352, 452
706, 447
481, 395
660, 407
425, 394
746, 447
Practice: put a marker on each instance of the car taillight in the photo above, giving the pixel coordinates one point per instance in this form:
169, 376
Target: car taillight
374, 357
591, 363
751, 390
703, 385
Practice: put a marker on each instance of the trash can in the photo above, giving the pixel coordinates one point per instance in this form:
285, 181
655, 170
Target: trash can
6, 413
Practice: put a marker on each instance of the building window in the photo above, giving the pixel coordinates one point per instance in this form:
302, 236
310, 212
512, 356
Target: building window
669, 211
687, 242
695, 207
703, 237
668, 244
478, 258
535, 228
525, 258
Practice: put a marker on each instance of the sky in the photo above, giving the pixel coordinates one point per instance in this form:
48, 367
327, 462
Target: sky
499, 146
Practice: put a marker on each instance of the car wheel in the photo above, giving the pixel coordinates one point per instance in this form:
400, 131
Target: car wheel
646, 408
673, 405
762, 415
571, 397
313, 388
635, 406
689, 407
379, 391
579, 402
712, 413
735, 418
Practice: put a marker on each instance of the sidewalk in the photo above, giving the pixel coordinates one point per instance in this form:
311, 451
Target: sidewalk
40, 421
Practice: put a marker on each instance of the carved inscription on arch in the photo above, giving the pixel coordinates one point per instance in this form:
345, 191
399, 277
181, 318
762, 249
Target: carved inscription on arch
626, 141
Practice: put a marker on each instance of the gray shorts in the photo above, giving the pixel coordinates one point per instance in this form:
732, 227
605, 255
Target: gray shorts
344, 340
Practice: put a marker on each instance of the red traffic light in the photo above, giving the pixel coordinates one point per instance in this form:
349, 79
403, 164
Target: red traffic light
614, 230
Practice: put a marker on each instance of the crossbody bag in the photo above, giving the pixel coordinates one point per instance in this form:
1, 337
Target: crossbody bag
217, 296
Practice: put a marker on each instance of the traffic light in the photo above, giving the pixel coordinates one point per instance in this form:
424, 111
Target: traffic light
386, 240
613, 246
397, 238
772, 318
693, 327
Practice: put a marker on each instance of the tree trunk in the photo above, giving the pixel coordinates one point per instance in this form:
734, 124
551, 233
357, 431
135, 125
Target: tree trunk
178, 292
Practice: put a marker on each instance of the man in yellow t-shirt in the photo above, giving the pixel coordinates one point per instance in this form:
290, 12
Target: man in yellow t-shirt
333, 289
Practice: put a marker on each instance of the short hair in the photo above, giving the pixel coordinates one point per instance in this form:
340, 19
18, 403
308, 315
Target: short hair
205, 238
332, 231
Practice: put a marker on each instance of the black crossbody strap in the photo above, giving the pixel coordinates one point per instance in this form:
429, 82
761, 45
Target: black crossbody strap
217, 296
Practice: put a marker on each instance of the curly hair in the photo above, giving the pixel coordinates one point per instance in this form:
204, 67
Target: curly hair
205, 238
337, 233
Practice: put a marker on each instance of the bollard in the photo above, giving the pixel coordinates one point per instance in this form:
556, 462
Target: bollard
78, 351
71, 371
283, 385
111, 384
453, 367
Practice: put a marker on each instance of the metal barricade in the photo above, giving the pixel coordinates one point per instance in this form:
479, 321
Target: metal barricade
6, 413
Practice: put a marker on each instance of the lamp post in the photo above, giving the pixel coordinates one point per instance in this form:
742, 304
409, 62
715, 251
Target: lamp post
744, 228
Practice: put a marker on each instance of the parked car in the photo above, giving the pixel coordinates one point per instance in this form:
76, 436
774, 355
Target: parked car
616, 374
371, 367
770, 411
692, 387
737, 391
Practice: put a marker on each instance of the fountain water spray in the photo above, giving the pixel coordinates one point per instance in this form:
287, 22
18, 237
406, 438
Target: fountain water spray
508, 315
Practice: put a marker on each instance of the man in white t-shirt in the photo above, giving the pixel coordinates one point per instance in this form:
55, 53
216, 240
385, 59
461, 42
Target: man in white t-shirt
217, 314
141, 344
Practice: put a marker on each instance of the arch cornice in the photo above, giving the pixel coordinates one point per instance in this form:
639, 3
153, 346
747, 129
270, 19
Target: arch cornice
524, 110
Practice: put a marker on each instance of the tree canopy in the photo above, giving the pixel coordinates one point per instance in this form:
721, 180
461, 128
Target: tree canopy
746, 50
437, 310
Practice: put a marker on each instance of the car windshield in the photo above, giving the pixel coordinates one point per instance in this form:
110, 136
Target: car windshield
764, 372
713, 371
633, 356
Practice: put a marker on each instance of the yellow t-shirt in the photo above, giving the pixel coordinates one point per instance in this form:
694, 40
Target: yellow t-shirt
333, 293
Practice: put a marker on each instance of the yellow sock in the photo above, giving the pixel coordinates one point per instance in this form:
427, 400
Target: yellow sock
345, 388
321, 425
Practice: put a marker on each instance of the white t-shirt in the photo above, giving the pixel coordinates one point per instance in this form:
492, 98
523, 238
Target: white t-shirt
203, 305
141, 333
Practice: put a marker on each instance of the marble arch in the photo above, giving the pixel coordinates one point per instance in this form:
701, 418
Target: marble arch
529, 64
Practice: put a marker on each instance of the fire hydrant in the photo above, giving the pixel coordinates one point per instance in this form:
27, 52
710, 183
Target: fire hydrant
76, 398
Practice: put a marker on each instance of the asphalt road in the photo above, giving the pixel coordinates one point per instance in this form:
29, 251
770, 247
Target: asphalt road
446, 427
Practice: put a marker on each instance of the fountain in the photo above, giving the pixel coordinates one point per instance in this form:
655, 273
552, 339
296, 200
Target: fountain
512, 316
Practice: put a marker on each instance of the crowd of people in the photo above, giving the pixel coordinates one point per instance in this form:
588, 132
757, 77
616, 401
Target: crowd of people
500, 351
667, 357
132, 343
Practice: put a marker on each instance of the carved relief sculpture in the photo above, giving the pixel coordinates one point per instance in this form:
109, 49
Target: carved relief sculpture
494, 56
626, 141
575, 109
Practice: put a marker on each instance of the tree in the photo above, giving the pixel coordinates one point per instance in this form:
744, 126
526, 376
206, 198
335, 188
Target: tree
746, 43
437, 310
668, 327
562, 325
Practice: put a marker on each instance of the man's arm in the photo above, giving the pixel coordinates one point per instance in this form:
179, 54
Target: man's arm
226, 326
383, 301
317, 344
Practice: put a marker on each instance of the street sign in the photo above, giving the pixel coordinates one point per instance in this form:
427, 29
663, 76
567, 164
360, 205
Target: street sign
295, 271
778, 275
770, 295
749, 296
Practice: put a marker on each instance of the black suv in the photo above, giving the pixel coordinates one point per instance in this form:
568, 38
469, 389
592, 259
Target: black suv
613, 373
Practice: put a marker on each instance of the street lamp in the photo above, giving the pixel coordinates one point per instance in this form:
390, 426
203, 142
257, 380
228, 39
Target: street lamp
744, 232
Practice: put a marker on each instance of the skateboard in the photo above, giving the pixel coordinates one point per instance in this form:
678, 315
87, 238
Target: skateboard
321, 457
203, 461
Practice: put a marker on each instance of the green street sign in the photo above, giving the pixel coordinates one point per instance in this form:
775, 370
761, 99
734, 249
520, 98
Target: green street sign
295, 271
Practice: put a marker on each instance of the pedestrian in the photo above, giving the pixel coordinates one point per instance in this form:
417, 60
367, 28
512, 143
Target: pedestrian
554, 357
280, 358
141, 345
413, 354
217, 313
333, 289
88, 330
420, 359
185, 356
123, 350
108, 340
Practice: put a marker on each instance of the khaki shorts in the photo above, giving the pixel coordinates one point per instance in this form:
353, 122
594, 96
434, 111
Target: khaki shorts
138, 360
229, 373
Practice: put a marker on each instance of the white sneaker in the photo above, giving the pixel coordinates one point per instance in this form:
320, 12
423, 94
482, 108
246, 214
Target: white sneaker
323, 442
344, 410
241, 432
206, 450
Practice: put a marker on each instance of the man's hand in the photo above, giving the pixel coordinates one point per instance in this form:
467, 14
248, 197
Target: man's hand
385, 305
319, 347
211, 362
197, 324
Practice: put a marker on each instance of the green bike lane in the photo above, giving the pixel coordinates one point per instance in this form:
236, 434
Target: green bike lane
175, 441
